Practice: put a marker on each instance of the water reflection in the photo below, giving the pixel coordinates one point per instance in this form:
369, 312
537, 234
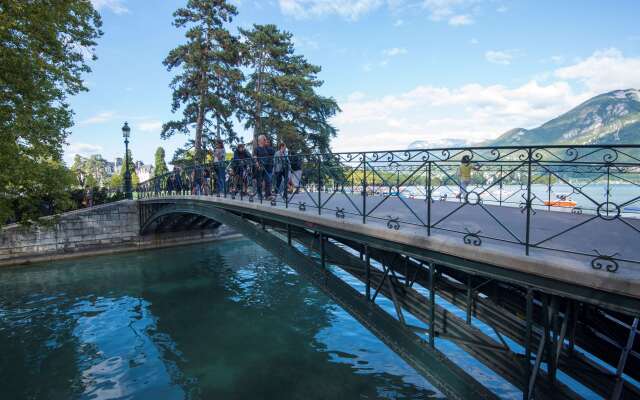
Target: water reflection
221, 320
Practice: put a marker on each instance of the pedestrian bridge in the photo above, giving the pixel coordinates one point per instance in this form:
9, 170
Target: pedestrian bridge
543, 246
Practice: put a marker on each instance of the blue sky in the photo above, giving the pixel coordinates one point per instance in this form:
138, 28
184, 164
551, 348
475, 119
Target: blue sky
401, 70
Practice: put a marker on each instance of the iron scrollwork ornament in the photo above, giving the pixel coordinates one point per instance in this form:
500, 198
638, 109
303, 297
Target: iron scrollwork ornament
605, 261
273, 202
251, 200
525, 205
576, 210
472, 238
340, 213
302, 206
393, 222
608, 211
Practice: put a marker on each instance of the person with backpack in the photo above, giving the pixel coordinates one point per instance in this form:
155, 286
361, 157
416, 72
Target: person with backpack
281, 167
295, 161
240, 167
219, 156
264, 167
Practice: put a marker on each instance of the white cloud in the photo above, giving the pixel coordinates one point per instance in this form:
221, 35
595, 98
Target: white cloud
115, 6
99, 118
457, 12
460, 20
471, 112
557, 59
305, 42
395, 51
603, 71
476, 112
474, 41
83, 149
502, 9
351, 10
503, 57
356, 96
149, 126
447, 9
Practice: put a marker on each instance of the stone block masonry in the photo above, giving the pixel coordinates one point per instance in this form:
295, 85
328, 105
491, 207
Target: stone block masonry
103, 229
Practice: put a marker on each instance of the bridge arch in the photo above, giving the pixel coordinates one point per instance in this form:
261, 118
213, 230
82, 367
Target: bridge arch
176, 217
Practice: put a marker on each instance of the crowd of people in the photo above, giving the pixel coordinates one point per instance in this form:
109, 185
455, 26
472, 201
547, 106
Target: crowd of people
268, 172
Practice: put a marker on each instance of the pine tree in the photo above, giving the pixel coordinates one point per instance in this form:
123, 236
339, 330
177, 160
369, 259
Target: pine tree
209, 79
280, 99
43, 52
160, 167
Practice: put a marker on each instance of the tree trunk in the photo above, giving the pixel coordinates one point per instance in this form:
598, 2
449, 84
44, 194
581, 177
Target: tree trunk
200, 121
258, 115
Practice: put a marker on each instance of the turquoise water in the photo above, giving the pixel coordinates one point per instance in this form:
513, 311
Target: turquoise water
210, 321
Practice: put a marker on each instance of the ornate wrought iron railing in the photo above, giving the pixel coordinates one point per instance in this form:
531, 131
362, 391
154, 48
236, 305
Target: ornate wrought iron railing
578, 200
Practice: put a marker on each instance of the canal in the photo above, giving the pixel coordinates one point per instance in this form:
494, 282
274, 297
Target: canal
221, 320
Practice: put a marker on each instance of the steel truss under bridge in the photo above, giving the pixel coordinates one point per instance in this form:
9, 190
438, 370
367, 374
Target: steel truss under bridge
531, 326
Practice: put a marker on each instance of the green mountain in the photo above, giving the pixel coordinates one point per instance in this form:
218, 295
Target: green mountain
609, 118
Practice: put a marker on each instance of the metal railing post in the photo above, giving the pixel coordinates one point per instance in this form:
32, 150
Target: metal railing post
364, 188
528, 205
501, 182
429, 198
549, 192
319, 189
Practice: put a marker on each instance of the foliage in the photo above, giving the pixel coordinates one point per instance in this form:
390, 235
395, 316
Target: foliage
280, 99
117, 180
160, 167
48, 195
90, 171
43, 48
101, 195
208, 81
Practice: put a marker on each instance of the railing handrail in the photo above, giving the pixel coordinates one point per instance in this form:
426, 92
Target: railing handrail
459, 150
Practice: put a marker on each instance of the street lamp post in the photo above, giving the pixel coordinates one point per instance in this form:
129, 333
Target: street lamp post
126, 132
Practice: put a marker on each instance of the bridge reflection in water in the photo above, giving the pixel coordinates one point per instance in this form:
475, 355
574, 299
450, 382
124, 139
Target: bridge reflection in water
219, 320
556, 275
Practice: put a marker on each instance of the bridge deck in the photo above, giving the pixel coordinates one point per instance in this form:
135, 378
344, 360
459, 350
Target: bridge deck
498, 231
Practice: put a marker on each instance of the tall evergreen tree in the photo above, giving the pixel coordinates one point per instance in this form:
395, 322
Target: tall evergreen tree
209, 78
280, 98
160, 167
43, 52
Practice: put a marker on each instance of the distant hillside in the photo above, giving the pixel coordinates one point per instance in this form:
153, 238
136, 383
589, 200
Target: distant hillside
609, 118
436, 143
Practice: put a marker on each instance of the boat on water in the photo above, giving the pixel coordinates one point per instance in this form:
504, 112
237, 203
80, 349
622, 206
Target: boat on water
562, 200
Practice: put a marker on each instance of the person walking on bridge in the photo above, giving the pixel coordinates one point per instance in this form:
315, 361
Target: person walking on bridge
464, 175
219, 156
264, 166
240, 166
296, 171
281, 167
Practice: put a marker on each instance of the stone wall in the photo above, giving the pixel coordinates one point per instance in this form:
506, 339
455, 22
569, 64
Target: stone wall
102, 229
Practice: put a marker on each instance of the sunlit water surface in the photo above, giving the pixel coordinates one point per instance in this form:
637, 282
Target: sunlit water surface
212, 321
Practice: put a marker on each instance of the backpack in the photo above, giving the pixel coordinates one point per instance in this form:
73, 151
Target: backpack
296, 163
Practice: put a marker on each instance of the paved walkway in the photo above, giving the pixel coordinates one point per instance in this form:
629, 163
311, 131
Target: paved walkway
560, 253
